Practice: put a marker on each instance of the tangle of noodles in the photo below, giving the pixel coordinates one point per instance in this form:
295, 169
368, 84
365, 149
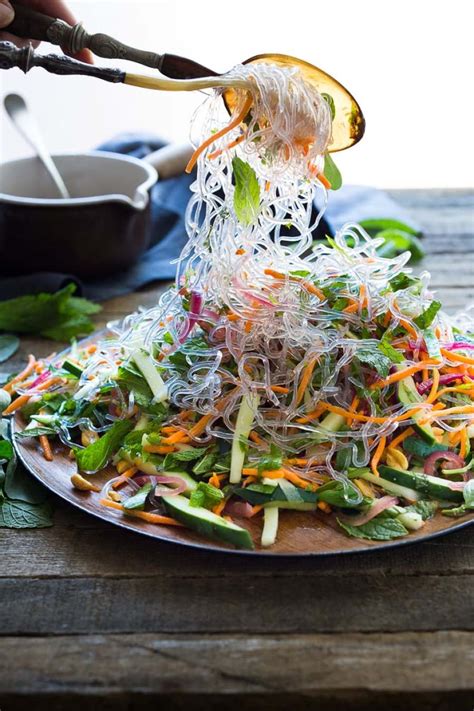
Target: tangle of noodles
252, 311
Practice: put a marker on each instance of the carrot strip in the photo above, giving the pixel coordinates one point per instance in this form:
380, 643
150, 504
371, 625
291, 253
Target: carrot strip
370, 418
377, 455
127, 474
256, 438
46, 447
233, 124
144, 515
250, 471
312, 415
324, 507
279, 389
218, 508
215, 481
457, 357
305, 378
351, 309
256, 509
230, 145
400, 374
16, 404
22, 375
176, 437
464, 443
297, 461
401, 437
353, 407
158, 448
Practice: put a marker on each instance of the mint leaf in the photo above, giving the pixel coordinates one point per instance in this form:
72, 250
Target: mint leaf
388, 350
206, 464
332, 173
8, 346
21, 514
402, 281
425, 319
97, 454
373, 357
273, 460
378, 529
246, 193
59, 316
206, 495
173, 460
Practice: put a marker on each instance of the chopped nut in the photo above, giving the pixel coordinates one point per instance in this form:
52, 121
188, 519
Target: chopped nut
122, 466
115, 496
88, 437
79, 482
394, 457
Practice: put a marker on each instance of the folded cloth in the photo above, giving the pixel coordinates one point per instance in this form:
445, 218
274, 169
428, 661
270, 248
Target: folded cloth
168, 235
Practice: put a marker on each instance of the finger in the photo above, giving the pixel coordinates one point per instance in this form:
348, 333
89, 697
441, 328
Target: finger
57, 8
6, 13
17, 41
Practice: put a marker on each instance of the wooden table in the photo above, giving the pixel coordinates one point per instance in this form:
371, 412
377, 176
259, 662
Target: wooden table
95, 617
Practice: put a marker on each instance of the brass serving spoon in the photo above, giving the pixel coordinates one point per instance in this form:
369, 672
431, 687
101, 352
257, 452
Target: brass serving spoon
348, 123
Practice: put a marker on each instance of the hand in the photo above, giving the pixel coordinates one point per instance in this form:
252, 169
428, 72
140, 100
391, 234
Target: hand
54, 8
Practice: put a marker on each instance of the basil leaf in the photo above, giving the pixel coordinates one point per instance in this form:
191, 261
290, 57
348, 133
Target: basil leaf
21, 514
97, 454
332, 173
8, 346
378, 529
246, 193
425, 319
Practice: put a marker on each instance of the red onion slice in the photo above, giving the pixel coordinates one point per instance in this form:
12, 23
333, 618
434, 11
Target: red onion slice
458, 345
241, 509
450, 460
443, 380
377, 507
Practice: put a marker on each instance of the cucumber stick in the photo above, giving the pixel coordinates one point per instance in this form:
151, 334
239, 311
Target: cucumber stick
243, 426
270, 526
151, 375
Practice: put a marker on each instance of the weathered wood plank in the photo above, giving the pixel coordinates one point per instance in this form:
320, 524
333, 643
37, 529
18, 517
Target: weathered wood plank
82, 546
270, 604
209, 664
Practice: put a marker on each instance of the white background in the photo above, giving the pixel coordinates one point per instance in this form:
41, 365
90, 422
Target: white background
408, 62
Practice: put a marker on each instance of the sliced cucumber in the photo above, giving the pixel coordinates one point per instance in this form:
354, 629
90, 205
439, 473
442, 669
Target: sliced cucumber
270, 526
390, 487
243, 426
151, 375
409, 395
152, 470
331, 423
424, 483
207, 523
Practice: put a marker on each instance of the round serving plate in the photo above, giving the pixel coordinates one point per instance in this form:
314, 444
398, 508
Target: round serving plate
299, 533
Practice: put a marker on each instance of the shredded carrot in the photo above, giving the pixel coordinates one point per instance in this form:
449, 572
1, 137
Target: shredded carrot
297, 461
218, 508
159, 448
248, 326
215, 481
279, 389
387, 318
46, 447
377, 455
233, 317
312, 289
250, 471
457, 357
353, 407
408, 327
322, 179
400, 375
312, 415
351, 309
463, 410
434, 387
305, 379
240, 251
168, 429
256, 509
230, 145
22, 375
464, 443
127, 474
324, 507
16, 404
458, 389
401, 437
144, 515
91, 349
176, 437
304, 282
233, 124
369, 418
363, 296
267, 185
256, 438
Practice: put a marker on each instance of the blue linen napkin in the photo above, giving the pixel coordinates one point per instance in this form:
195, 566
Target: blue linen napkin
168, 235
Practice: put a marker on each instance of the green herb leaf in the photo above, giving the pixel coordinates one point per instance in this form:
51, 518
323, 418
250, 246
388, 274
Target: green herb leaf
59, 316
97, 454
174, 460
332, 173
206, 464
8, 346
20, 514
344, 494
247, 192
372, 357
421, 449
380, 528
425, 319
388, 350
426, 509
272, 460
206, 495
377, 224
138, 500
332, 106
402, 281
6, 449
398, 241
431, 343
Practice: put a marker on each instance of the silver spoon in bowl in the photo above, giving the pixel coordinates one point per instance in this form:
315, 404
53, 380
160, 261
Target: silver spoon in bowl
24, 121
